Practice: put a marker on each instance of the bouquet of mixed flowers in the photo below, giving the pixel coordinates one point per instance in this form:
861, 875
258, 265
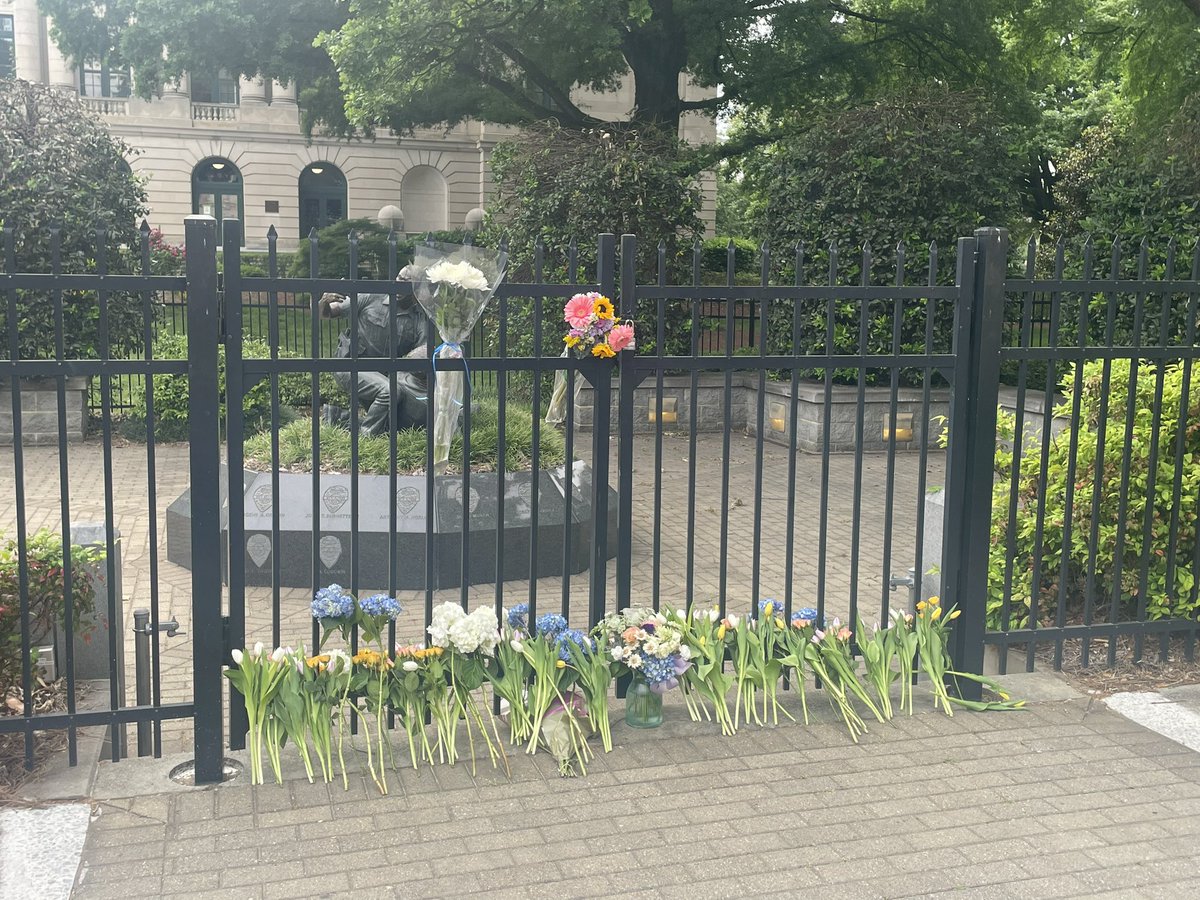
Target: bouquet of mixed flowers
324, 688
648, 645
594, 329
453, 284
795, 642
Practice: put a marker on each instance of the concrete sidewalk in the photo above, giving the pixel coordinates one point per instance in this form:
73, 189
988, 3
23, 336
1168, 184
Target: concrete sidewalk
1065, 799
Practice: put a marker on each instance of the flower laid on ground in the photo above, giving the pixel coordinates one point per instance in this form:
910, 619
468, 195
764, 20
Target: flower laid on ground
706, 676
324, 686
933, 638
593, 670
257, 676
552, 681
467, 638
594, 330
508, 671
903, 638
335, 608
878, 653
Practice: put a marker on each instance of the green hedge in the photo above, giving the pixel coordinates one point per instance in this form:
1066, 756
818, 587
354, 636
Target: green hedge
1042, 501
171, 394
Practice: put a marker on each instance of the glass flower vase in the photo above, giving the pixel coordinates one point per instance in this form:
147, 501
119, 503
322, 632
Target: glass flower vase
643, 707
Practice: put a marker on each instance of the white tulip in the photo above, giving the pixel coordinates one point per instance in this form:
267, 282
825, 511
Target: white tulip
237, 657
713, 614
258, 649
518, 646
410, 665
616, 653
733, 620
278, 654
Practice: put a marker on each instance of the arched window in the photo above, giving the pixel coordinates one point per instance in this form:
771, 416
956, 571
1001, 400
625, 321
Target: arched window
322, 196
217, 190
423, 199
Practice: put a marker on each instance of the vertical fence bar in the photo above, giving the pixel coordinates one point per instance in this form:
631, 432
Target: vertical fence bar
759, 426
14, 355
789, 573
231, 239
889, 491
826, 422
627, 303
205, 469
273, 339
860, 436
659, 352
979, 320
65, 487
693, 412
727, 428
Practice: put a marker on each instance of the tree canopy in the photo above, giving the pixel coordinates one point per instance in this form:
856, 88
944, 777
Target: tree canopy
402, 64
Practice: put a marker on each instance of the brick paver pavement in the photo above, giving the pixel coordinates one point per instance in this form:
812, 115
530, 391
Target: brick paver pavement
132, 515
1062, 800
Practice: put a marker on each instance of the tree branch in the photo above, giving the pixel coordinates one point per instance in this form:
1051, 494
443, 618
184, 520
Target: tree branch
533, 108
538, 76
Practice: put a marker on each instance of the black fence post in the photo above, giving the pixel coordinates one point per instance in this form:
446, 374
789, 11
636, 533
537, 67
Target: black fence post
601, 432
203, 315
978, 327
628, 384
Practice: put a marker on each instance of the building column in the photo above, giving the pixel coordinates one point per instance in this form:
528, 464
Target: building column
180, 89
253, 91
63, 76
282, 95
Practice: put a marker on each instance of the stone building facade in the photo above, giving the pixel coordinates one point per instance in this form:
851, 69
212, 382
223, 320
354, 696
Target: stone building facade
235, 147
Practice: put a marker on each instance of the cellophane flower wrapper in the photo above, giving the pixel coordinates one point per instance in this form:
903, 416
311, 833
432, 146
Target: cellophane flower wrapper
453, 284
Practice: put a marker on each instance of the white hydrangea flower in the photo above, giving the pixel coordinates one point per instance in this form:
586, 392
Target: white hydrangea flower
444, 617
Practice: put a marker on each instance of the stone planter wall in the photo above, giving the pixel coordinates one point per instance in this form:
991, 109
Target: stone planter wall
810, 411
39, 410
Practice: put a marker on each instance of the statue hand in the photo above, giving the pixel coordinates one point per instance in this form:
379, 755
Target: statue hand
331, 306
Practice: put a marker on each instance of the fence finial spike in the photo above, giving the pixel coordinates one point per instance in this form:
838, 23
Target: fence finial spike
1031, 244
730, 245
1172, 244
144, 228
1144, 244
662, 245
312, 233
900, 248
697, 245
573, 245
272, 234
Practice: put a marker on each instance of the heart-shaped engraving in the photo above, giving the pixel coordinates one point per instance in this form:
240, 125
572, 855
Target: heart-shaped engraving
258, 548
330, 550
335, 497
525, 490
407, 499
263, 498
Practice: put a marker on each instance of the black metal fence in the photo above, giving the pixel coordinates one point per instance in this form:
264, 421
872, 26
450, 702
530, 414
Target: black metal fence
861, 372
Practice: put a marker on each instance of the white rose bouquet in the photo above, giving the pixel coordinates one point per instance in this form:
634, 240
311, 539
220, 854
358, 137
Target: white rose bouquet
453, 284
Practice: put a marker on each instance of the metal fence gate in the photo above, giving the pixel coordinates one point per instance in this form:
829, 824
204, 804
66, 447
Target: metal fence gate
868, 360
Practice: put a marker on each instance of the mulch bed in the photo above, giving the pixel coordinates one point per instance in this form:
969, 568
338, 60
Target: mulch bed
47, 698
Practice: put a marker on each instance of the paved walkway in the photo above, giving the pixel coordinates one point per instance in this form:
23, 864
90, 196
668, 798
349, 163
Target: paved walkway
1066, 799
133, 513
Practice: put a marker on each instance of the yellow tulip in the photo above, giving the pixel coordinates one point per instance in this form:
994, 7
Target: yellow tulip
921, 606
955, 614
721, 633
559, 664
937, 613
934, 601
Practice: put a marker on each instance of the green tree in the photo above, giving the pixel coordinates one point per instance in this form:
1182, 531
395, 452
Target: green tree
408, 63
62, 173
926, 165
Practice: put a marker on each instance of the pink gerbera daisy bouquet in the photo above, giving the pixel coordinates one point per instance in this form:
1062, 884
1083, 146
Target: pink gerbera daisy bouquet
594, 328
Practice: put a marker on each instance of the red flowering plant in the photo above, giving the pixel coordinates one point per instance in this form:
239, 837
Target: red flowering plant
46, 589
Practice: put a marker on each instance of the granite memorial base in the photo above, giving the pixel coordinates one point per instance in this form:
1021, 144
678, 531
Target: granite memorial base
563, 497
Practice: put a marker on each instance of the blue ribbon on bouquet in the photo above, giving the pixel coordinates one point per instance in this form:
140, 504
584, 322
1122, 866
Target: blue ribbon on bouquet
451, 345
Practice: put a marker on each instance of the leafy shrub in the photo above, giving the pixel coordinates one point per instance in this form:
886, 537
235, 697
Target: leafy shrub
714, 256
171, 393
925, 166
47, 585
1162, 599
333, 250
295, 444
555, 185
61, 169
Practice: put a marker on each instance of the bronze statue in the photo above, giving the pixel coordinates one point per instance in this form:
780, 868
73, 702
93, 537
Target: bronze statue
377, 338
